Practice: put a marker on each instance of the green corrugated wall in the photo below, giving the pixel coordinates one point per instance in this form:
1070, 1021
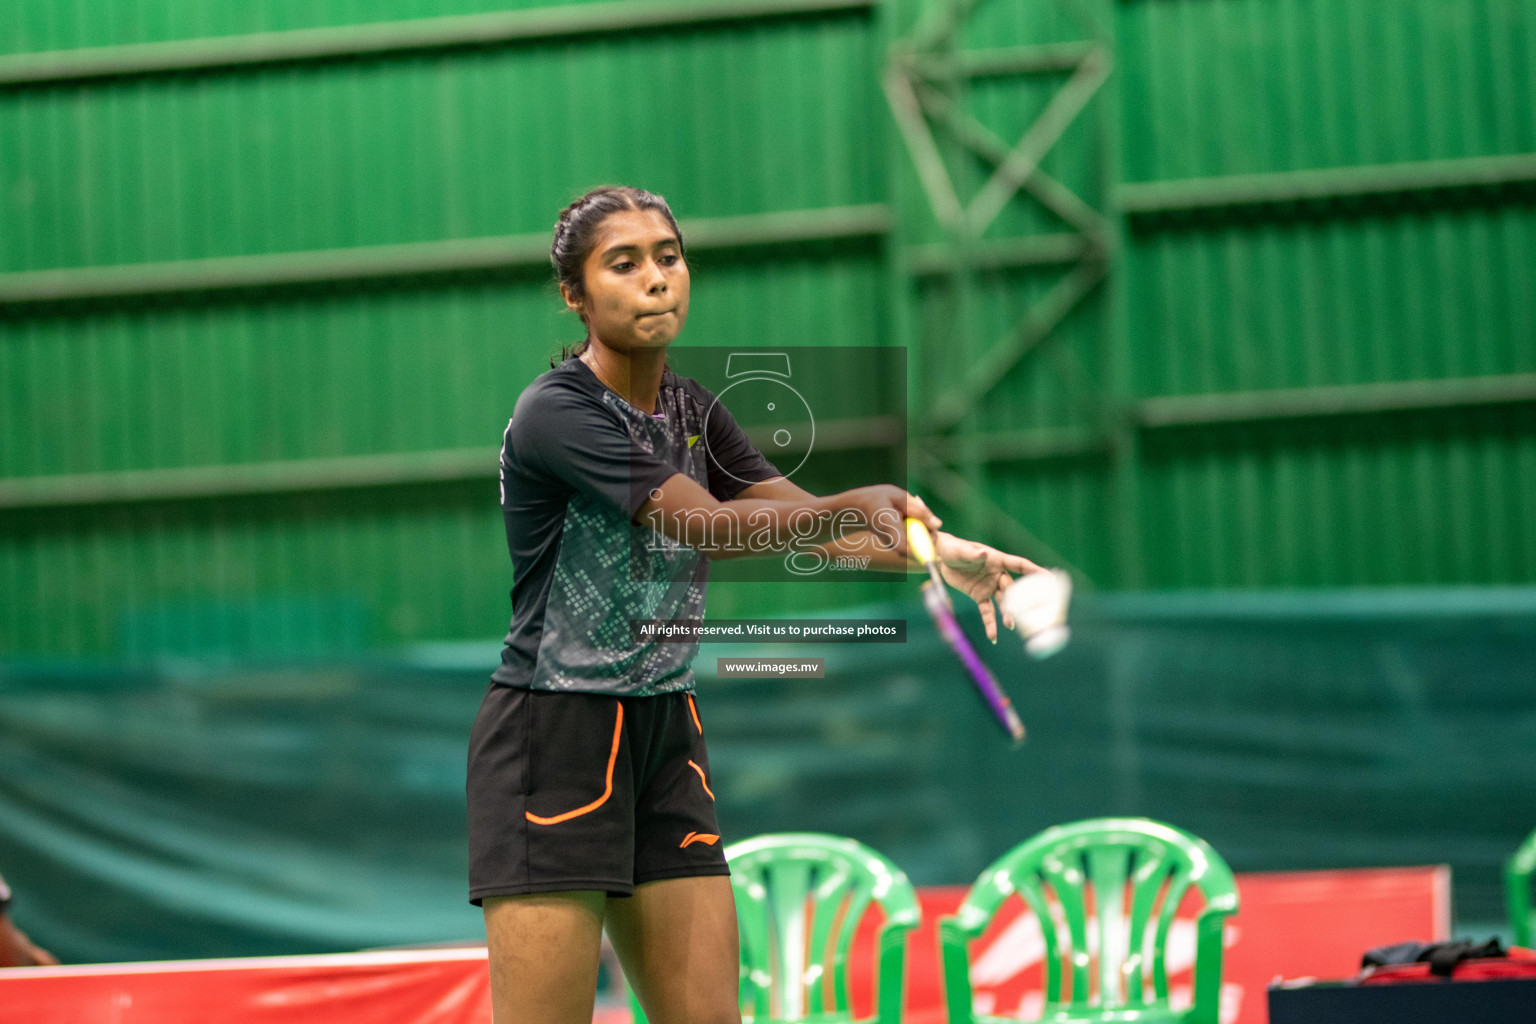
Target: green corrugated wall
460, 142
1420, 265
1348, 291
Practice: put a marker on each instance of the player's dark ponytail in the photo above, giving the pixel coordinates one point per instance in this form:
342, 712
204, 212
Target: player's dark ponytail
576, 234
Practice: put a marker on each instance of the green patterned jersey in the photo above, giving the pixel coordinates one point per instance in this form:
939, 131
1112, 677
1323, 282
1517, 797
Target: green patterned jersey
577, 462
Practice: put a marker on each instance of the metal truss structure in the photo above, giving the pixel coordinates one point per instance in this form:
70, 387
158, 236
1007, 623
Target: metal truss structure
926, 80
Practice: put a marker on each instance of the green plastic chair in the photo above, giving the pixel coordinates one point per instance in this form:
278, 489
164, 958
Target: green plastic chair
1517, 892
1144, 868
799, 899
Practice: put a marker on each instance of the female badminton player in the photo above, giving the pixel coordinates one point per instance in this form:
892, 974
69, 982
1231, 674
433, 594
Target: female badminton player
590, 804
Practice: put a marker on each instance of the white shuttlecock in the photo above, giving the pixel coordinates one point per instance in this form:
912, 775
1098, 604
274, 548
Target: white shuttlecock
1037, 603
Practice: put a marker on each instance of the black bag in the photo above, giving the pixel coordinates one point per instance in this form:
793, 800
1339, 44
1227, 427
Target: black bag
1442, 957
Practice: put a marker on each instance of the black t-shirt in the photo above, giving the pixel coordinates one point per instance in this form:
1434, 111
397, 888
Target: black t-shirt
577, 462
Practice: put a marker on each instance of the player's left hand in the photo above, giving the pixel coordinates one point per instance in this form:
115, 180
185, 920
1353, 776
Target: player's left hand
979, 572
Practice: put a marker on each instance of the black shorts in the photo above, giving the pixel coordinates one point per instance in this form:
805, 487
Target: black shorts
583, 791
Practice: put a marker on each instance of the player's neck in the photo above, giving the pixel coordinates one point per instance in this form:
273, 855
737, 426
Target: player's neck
633, 376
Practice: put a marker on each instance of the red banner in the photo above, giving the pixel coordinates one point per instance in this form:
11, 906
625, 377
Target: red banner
439, 986
1291, 925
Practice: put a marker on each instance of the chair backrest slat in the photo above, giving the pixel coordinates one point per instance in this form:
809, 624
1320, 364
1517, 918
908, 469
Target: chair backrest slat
788, 886
1063, 872
1146, 883
828, 896
852, 913
1173, 895
1107, 870
1035, 899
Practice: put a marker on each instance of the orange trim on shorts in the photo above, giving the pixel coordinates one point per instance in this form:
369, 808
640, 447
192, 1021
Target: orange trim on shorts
702, 780
695, 709
613, 757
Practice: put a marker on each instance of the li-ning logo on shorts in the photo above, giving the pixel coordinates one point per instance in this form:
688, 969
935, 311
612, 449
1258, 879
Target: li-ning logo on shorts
698, 837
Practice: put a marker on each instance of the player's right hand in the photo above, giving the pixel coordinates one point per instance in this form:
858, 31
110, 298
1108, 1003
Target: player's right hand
884, 508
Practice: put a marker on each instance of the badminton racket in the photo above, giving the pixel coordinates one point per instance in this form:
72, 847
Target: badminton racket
942, 611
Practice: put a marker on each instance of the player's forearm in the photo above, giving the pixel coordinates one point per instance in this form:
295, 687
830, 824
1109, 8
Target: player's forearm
769, 524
